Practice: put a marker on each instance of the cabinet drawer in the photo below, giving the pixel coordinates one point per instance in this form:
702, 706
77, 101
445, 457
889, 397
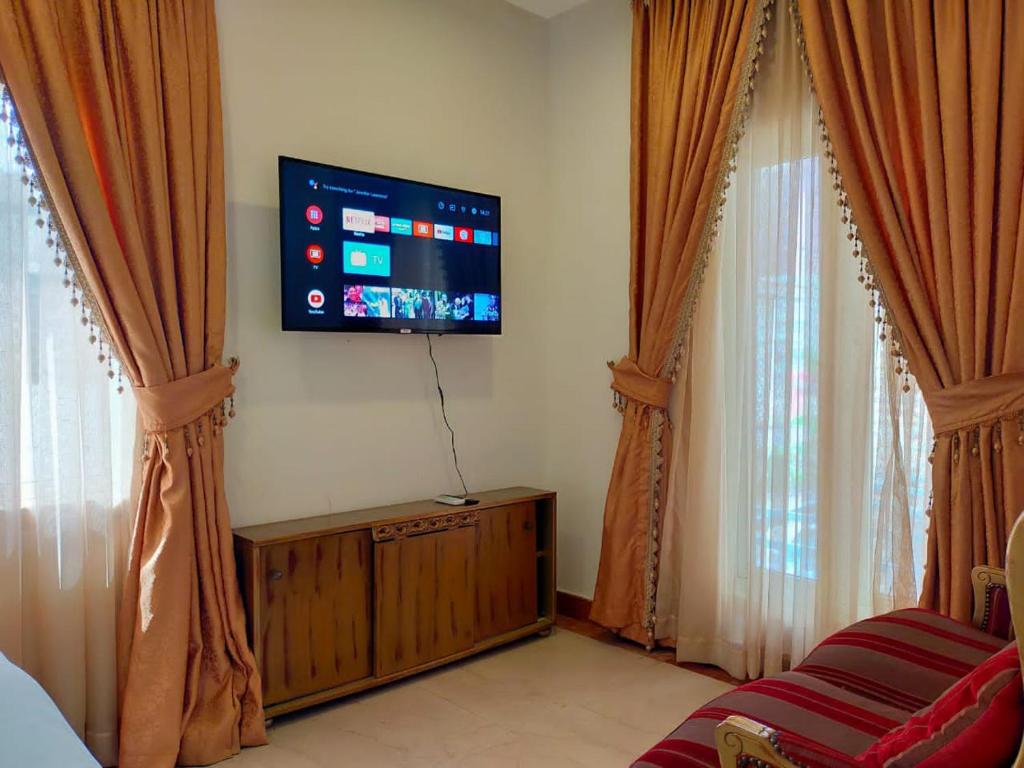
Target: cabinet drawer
507, 569
425, 598
316, 628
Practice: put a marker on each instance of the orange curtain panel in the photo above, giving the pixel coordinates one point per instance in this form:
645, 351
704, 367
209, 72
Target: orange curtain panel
924, 109
692, 65
120, 102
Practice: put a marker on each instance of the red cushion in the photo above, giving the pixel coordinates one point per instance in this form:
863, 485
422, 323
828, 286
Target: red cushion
977, 722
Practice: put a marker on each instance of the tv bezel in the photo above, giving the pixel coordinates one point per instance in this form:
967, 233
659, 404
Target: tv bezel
497, 326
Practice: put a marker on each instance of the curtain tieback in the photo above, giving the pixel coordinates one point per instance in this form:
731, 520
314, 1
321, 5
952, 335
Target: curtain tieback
170, 406
977, 402
631, 382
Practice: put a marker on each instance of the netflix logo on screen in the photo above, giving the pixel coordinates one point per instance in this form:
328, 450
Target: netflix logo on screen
355, 220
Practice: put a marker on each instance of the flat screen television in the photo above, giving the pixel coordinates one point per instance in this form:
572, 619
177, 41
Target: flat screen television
366, 252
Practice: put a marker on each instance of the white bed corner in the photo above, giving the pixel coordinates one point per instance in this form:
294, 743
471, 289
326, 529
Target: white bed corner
33, 732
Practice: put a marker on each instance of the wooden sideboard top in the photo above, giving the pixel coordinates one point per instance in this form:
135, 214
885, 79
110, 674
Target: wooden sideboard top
321, 525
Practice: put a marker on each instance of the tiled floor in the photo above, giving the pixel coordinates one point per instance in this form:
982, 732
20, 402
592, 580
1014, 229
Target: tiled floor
667, 655
565, 700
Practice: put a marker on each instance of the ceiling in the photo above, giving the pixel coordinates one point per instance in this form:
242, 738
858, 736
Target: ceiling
547, 8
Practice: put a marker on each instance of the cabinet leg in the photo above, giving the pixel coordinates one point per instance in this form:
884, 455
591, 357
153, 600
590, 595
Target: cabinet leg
545, 632
268, 722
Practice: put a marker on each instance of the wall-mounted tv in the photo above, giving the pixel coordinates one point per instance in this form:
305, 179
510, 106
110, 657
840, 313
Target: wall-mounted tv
366, 252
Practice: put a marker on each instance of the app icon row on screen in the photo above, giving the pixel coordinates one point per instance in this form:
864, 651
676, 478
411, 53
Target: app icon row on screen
367, 222
418, 304
361, 258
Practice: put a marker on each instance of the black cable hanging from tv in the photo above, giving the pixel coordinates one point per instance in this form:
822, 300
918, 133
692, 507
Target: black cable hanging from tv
444, 414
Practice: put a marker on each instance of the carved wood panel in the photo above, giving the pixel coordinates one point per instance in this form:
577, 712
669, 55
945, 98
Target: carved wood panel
422, 525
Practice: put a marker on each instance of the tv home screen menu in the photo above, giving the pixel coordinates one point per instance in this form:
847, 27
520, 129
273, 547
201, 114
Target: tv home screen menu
365, 252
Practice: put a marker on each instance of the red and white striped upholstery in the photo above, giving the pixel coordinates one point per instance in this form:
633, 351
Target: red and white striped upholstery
905, 658
850, 691
844, 724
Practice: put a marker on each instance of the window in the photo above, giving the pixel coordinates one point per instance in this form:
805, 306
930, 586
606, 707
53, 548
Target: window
789, 544
66, 446
790, 429
799, 481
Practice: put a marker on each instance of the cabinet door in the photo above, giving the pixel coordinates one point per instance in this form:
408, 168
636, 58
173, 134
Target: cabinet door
316, 614
507, 569
424, 601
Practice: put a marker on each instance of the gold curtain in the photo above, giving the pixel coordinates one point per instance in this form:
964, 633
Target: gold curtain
692, 63
924, 109
120, 102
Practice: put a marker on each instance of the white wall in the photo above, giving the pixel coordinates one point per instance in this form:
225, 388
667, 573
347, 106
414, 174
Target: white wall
467, 93
587, 307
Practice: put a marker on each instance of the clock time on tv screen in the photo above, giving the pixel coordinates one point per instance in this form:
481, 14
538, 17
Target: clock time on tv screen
366, 252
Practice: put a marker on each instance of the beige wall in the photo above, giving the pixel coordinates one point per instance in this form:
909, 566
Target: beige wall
467, 93
587, 308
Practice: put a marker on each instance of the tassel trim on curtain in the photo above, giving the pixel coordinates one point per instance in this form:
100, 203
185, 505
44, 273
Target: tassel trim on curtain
654, 392
888, 331
57, 239
212, 388
977, 407
880, 306
182, 404
977, 416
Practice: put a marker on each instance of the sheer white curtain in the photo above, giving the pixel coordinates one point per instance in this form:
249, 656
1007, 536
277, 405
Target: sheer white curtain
66, 441
798, 489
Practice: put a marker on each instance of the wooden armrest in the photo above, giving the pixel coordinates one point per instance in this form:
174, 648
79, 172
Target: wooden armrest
982, 577
740, 737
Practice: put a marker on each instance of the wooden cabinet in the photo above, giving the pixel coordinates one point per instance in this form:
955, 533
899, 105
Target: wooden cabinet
341, 603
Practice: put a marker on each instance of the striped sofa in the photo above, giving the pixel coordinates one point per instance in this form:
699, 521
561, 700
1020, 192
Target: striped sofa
854, 688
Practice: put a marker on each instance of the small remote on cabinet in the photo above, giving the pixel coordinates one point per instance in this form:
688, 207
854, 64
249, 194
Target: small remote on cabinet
452, 501
456, 501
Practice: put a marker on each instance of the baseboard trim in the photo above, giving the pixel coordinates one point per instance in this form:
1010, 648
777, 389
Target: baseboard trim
573, 606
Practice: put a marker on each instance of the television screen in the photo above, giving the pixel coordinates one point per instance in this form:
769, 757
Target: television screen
366, 252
